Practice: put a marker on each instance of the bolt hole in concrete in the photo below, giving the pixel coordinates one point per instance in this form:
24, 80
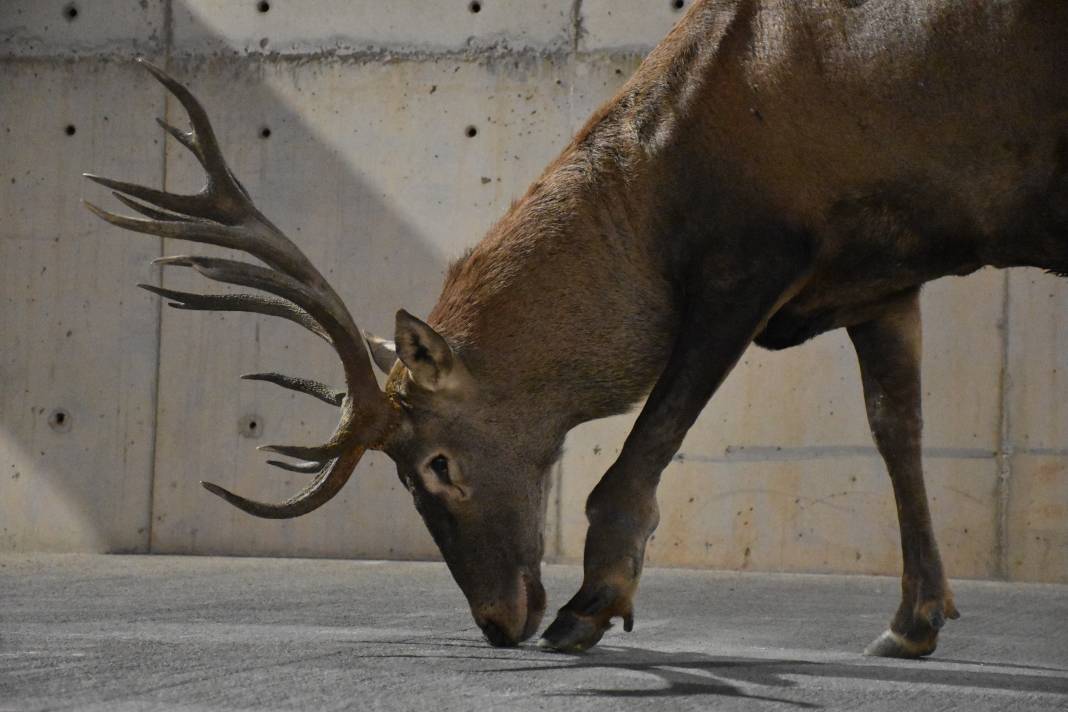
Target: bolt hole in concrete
59, 420
250, 426
475, 6
70, 11
471, 131
265, 132
263, 6
70, 130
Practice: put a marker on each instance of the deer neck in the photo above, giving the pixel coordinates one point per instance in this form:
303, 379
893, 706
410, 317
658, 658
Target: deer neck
571, 301
567, 305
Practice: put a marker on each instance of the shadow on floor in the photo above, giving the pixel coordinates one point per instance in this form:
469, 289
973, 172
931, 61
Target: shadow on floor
686, 674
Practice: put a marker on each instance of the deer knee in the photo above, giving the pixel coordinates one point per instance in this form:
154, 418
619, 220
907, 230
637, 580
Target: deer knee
612, 504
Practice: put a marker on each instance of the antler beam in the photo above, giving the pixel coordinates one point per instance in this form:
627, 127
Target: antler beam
222, 214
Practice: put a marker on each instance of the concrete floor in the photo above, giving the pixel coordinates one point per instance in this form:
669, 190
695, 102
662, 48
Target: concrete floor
167, 633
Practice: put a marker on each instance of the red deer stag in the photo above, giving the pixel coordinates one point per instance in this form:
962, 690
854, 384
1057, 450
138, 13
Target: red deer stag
775, 169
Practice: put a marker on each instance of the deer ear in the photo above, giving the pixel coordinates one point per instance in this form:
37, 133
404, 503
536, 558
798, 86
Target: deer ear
427, 355
383, 353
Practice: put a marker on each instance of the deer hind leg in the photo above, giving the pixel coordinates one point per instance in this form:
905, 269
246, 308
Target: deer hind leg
622, 511
889, 349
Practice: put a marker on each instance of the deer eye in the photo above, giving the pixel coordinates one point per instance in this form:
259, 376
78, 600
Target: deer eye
440, 466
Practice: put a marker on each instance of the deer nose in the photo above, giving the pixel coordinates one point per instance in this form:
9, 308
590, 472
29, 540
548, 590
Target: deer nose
508, 625
496, 635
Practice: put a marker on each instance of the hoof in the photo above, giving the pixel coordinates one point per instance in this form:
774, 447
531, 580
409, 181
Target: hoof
581, 623
894, 645
572, 633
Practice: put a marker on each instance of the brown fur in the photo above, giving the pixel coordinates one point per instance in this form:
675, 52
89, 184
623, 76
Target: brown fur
773, 170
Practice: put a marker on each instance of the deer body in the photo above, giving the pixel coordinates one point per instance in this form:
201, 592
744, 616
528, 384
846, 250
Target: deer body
773, 170
898, 168
768, 166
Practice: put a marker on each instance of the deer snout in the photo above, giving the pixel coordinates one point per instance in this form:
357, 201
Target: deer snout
510, 621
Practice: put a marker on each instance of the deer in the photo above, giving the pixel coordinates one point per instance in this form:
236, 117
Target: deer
772, 171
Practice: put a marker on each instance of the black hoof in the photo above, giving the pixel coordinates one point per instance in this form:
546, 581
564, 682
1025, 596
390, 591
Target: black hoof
572, 633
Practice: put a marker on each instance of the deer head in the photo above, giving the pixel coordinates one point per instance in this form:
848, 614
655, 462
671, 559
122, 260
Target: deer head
477, 475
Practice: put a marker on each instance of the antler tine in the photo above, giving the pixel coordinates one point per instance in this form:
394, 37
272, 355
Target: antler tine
328, 483
183, 137
302, 467
191, 230
302, 385
201, 141
148, 211
256, 303
222, 214
184, 204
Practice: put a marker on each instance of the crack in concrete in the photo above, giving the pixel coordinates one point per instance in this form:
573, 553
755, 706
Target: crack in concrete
776, 453
1005, 446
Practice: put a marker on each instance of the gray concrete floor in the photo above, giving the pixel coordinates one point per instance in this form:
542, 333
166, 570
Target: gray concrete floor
174, 633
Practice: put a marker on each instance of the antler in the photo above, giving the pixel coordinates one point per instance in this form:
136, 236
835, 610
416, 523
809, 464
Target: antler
222, 214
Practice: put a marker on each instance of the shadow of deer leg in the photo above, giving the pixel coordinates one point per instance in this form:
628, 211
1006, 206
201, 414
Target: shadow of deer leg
889, 350
719, 323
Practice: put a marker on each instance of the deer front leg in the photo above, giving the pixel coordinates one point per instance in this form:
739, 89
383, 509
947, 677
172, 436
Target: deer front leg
622, 511
889, 350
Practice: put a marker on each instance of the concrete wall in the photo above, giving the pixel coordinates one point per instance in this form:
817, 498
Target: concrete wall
111, 409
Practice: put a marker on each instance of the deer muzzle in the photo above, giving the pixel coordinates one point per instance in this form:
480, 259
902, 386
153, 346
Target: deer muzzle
507, 623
